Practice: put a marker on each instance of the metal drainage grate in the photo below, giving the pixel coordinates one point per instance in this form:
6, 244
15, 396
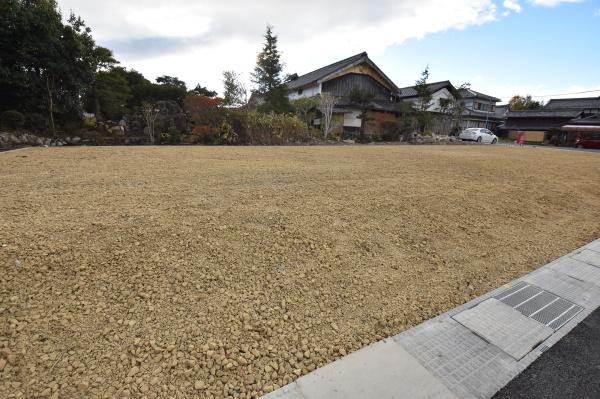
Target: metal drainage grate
542, 306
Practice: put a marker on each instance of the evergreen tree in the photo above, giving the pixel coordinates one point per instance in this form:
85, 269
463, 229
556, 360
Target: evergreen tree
424, 118
267, 76
200, 90
267, 73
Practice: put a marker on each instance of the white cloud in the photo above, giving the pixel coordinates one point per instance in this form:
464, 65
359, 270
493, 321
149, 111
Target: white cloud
552, 3
512, 5
196, 41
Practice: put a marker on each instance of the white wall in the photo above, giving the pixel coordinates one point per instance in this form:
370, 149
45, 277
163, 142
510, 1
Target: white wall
306, 92
435, 99
351, 119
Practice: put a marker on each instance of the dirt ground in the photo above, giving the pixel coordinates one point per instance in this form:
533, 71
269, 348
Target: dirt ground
229, 272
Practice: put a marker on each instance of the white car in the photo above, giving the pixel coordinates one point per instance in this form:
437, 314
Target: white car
479, 135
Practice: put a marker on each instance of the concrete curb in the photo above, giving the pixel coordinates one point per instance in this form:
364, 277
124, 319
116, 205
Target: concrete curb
442, 358
15, 150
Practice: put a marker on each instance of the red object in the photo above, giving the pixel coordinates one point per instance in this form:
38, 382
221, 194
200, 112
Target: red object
521, 138
591, 141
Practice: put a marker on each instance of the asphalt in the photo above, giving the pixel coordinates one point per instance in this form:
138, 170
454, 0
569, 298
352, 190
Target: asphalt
569, 369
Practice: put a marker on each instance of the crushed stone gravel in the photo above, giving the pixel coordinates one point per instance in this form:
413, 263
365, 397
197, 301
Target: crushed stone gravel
228, 272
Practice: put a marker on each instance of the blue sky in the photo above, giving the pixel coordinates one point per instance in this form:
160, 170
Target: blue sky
545, 50
502, 47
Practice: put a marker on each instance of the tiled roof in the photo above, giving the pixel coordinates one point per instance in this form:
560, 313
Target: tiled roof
545, 113
590, 120
578, 103
410, 91
321, 73
468, 93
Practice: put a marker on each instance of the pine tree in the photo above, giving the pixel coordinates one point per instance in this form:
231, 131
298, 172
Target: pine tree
267, 77
267, 73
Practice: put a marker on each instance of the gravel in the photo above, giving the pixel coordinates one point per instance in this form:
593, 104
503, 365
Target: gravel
229, 272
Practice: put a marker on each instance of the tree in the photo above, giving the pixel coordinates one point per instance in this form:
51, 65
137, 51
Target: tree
200, 90
168, 88
453, 108
325, 105
267, 76
267, 73
47, 65
234, 91
171, 81
150, 114
424, 100
362, 99
518, 103
110, 95
305, 108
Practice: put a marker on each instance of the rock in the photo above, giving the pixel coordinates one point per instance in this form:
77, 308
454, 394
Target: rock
134, 370
82, 386
2, 364
198, 385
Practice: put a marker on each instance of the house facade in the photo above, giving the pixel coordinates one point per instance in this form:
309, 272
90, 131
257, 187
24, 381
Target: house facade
561, 120
478, 109
343, 79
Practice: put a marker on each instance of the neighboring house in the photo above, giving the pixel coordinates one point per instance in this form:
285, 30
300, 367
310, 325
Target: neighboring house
341, 79
501, 111
580, 127
479, 109
538, 125
440, 91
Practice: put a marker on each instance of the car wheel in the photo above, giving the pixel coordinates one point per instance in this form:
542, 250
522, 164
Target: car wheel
579, 146
479, 139
494, 141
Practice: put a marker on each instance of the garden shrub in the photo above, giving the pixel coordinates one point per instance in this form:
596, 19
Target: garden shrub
275, 128
36, 122
12, 120
226, 134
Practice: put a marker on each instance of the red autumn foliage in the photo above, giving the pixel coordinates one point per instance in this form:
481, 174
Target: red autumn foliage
203, 110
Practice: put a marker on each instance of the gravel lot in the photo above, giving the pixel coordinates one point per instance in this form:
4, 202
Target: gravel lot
229, 272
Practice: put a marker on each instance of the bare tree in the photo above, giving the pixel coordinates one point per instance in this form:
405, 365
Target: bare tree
150, 114
326, 104
234, 91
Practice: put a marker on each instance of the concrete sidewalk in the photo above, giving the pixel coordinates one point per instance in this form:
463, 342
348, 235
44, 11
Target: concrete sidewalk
473, 350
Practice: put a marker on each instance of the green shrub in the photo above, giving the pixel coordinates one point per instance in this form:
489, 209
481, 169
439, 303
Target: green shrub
35, 122
226, 134
13, 120
391, 131
89, 122
275, 128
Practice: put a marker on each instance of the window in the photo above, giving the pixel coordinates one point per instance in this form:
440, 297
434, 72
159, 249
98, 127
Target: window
300, 91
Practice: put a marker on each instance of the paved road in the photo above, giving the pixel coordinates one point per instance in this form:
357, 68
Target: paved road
570, 369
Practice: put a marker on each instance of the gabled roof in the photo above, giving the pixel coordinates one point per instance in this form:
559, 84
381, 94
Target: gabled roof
468, 93
321, 74
410, 91
574, 103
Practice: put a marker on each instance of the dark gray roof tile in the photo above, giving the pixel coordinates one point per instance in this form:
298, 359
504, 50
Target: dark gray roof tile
578, 103
410, 91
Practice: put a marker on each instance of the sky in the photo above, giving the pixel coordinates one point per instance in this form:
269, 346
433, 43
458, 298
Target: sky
501, 47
